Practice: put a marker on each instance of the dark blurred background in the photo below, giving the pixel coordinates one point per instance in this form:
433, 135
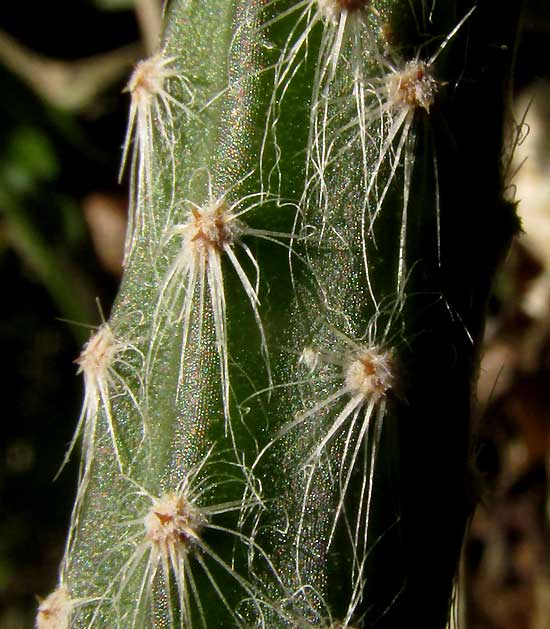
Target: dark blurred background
63, 66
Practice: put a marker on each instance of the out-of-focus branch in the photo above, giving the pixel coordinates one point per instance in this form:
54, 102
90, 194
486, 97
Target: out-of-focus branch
149, 17
68, 85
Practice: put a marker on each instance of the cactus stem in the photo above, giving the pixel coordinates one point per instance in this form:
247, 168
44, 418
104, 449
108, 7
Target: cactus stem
336, 109
306, 607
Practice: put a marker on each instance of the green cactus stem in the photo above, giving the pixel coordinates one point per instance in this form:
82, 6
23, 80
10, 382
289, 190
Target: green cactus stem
279, 434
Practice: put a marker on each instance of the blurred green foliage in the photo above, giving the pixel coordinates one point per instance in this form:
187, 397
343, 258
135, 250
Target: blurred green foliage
50, 161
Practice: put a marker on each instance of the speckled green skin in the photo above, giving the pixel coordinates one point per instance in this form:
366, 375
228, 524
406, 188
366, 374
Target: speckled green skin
433, 313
